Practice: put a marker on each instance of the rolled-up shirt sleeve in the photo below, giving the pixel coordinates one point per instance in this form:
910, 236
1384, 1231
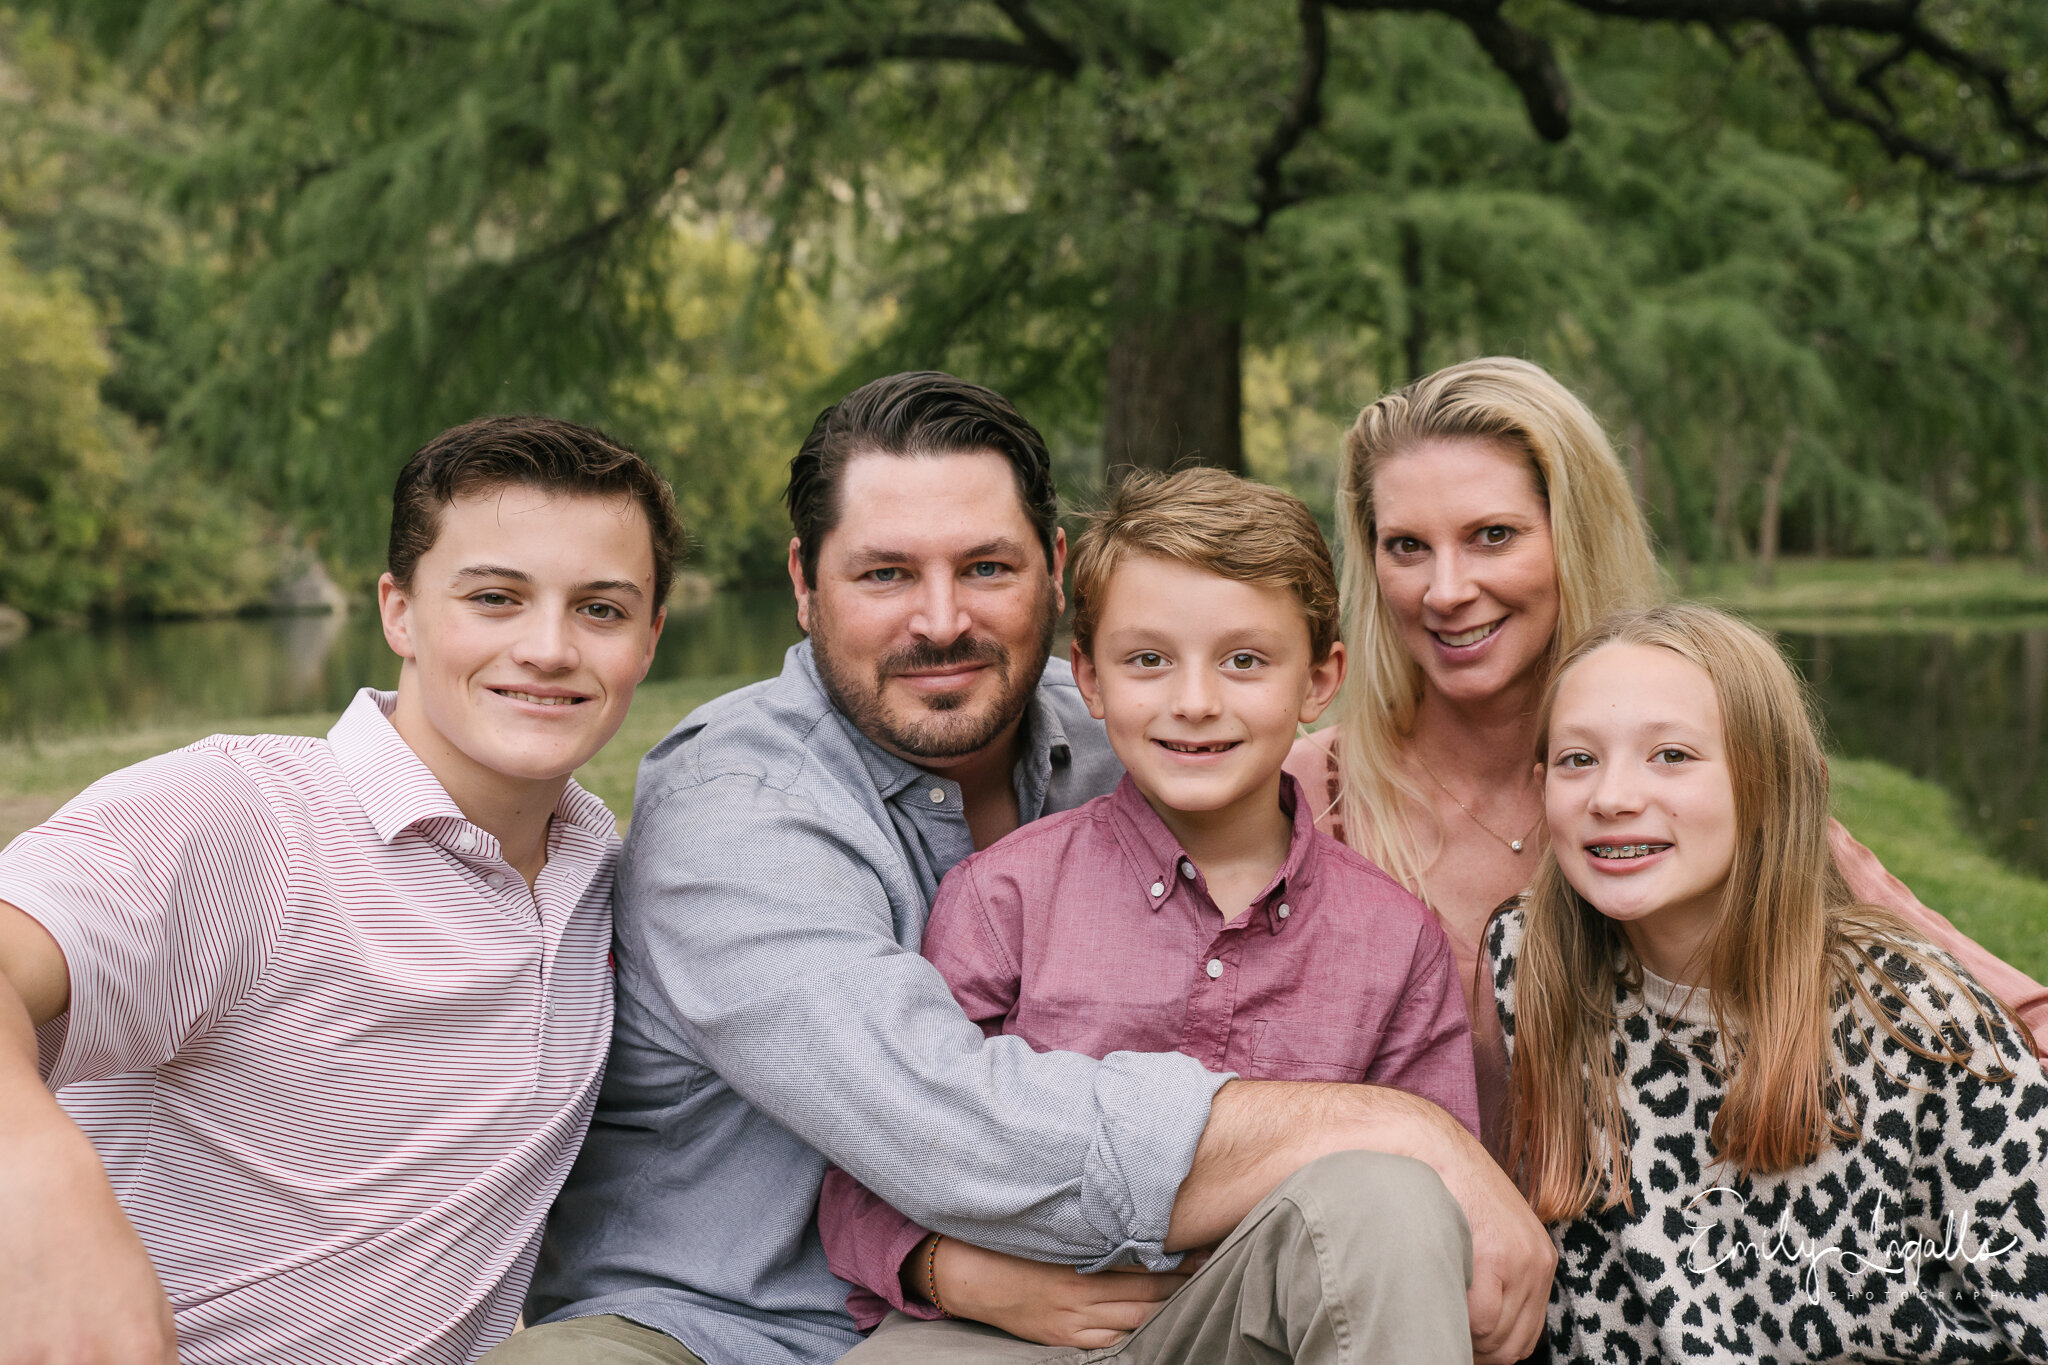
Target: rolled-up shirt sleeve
767, 932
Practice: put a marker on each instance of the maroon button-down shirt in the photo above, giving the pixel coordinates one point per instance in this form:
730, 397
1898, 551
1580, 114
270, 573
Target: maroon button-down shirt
1092, 931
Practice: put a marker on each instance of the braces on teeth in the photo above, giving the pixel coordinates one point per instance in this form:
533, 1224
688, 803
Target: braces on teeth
1622, 850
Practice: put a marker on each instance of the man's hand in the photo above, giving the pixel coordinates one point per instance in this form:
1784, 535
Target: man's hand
75, 1283
1261, 1132
1048, 1304
1512, 1255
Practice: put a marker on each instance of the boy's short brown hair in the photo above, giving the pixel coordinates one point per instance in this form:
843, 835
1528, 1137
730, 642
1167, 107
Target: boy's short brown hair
1211, 520
541, 452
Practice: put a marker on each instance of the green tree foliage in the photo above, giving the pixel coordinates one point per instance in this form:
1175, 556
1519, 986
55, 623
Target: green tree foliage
92, 519
1750, 229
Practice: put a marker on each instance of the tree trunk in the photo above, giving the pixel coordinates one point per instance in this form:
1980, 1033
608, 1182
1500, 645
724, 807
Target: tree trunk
1940, 549
1415, 337
1729, 542
1767, 521
1175, 371
2037, 530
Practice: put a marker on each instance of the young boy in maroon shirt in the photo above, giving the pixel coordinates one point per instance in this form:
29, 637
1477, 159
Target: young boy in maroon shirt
1196, 908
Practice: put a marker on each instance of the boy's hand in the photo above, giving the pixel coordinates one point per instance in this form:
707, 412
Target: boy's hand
75, 1282
1051, 1305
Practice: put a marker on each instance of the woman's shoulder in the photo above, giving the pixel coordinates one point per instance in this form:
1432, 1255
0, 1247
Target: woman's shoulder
1313, 763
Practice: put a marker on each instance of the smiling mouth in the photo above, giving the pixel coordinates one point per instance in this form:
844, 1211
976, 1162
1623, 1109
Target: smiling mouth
1624, 851
1220, 747
1468, 637
538, 701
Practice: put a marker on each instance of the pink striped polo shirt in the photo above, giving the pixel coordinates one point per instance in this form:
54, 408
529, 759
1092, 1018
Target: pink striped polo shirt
335, 1056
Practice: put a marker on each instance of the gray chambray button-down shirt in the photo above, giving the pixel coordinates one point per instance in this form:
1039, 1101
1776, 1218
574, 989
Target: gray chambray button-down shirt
773, 1015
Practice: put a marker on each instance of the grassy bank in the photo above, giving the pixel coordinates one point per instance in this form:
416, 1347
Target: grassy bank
1912, 825
1876, 587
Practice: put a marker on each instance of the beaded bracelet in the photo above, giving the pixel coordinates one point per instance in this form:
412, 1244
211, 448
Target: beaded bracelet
931, 1277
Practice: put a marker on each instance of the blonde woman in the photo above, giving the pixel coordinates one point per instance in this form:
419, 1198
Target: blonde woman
1762, 1120
1486, 519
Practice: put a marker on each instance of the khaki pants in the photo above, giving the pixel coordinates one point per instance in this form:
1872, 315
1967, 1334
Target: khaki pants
605, 1340
1358, 1258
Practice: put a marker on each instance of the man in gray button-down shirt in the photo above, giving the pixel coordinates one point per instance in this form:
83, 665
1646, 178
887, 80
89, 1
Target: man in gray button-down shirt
773, 1012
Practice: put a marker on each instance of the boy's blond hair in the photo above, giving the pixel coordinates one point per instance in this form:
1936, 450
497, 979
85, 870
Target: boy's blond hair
1215, 521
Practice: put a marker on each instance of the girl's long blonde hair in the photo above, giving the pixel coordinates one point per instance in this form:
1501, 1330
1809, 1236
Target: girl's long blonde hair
1601, 545
1789, 944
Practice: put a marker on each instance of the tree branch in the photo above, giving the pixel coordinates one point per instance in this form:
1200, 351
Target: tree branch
1522, 56
1304, 111
1036, 35
1527, 60
929, 47
1896, 141
1797, 21
429, 27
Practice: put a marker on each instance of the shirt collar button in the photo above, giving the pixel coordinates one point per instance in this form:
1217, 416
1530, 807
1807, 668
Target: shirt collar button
1159, 888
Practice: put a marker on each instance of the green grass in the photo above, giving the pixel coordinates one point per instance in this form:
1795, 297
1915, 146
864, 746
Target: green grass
1877, 587
1912, 827
1910, 824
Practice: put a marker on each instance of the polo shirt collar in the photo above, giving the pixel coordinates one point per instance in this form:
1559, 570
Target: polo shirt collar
1162, 864
397, 791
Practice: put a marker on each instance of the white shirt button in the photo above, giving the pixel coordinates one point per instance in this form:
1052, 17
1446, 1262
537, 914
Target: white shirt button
1159, 888
938, 795
1283, 909
1215, 968
495, 880
1187, 869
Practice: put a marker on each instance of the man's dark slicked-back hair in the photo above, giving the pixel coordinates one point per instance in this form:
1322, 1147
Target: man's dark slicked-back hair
537, 452
920, 412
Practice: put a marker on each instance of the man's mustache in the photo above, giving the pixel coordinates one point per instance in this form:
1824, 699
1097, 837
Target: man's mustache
926, 657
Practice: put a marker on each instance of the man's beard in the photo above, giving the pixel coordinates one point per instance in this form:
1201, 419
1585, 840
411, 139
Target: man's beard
942, 726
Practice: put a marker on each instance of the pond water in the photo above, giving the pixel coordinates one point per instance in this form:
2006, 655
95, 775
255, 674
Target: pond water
1960, 703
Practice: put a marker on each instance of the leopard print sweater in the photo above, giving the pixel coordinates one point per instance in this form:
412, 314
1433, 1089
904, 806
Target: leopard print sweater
1926, 1240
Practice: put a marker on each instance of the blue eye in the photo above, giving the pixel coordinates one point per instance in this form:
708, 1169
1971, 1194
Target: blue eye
884, 575
986, 568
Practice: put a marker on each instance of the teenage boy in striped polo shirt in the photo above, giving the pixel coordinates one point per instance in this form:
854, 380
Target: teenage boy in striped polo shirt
298, 1037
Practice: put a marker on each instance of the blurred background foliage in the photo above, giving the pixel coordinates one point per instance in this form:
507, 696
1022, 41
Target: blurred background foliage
256, 251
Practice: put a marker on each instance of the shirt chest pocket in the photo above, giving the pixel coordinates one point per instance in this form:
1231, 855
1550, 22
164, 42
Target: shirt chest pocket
1300, 1050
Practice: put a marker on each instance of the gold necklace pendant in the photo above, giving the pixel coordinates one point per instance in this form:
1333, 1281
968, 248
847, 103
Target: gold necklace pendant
1514, 845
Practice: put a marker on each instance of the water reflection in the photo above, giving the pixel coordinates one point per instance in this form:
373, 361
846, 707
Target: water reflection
133, 676
1961, 705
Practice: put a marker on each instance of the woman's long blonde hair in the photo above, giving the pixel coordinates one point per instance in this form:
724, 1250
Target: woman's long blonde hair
1597, 533
1789, 943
